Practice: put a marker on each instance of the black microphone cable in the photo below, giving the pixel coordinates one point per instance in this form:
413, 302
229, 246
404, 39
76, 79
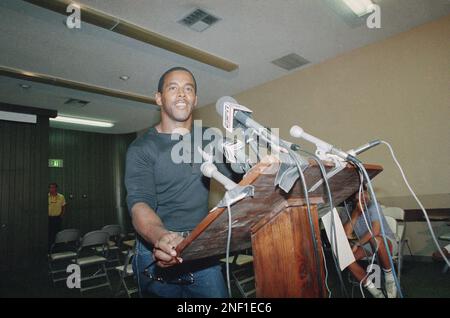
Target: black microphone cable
311, 225
330, 200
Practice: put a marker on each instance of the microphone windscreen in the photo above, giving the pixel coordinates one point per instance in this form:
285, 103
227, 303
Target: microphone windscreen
296, 131
221, 101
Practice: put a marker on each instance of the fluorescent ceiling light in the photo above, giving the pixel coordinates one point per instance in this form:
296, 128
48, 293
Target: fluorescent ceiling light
360, 7
81, 121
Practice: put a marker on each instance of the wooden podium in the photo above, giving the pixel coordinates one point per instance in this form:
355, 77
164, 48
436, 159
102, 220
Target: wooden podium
276, 226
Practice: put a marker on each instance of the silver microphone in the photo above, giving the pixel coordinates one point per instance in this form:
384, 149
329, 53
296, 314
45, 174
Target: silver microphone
365, 147
298, 132
210, 170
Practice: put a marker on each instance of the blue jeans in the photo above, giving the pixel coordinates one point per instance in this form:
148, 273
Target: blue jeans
188, 280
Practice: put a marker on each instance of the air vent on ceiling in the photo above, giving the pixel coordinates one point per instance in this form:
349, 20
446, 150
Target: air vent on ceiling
290, 61
199, 20
76, 102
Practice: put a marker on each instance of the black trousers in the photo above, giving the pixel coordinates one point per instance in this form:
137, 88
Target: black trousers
54, 226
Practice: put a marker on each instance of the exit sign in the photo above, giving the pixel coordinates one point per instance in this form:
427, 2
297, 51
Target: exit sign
55, 163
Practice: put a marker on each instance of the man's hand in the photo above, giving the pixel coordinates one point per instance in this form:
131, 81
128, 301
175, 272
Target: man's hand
164, 250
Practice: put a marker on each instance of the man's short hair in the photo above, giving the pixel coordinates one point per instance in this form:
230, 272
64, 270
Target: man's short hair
53, 183
173, 69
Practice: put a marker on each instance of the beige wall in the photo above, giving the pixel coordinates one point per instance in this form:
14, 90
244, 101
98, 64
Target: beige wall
397, 90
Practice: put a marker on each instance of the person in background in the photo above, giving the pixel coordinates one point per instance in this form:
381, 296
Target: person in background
56, 208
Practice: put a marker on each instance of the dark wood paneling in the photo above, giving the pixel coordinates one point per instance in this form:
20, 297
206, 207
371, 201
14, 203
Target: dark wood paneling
93, 166
23, 193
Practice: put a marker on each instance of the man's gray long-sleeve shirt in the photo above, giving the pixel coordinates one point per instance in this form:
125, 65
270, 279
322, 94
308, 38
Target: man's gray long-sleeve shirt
177, 192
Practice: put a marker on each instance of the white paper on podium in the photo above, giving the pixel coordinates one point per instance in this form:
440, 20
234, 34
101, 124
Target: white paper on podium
345, 256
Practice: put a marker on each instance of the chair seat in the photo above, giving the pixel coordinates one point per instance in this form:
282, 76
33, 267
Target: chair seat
100, 249
241, 260
129, 271
129, 243
242, 276
445, 237
127, 251
62, 255
90, 260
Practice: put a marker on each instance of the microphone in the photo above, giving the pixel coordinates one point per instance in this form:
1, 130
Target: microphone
240, 115
298, 132
365, 147
210, 170
235, 154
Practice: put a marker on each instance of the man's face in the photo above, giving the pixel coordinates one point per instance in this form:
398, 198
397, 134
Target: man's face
177, 99
52, 188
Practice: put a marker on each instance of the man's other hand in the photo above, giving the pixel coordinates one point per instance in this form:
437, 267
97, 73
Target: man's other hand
164, 250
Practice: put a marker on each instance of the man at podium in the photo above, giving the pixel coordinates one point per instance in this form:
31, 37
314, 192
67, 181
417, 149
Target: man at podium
167, 199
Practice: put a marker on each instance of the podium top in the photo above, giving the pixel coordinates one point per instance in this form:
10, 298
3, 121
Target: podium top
209, 238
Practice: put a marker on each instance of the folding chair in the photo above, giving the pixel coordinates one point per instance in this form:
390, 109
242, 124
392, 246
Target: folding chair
114, 240
126, 245
445, 237
62, 252
86, 258
126, 273
397, 256
399, 215
242, 274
